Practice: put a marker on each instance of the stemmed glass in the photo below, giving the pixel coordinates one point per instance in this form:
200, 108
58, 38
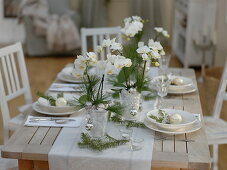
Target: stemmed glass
162, 85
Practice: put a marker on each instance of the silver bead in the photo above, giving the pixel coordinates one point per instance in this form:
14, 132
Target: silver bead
89, 125
133, 112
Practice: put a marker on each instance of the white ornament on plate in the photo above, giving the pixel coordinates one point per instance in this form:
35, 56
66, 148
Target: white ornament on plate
60, 102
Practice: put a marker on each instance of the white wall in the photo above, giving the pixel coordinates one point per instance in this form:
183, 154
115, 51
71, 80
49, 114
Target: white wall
10, 31
221, 50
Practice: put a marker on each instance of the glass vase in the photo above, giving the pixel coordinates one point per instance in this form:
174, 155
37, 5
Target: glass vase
99, 118
130, 99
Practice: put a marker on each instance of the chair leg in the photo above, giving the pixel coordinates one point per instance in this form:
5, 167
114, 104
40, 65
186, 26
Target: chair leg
5, 135
215, 157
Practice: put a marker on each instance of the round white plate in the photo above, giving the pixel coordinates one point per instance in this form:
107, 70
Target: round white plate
186, 90
187, 82
68, 78
38, 108
187, 119
195, 126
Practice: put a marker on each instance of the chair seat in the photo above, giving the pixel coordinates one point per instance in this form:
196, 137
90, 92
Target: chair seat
8, 164
216, 130
24, 108
16, 121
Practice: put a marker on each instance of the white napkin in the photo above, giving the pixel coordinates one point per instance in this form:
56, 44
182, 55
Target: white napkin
65, 87
47, 123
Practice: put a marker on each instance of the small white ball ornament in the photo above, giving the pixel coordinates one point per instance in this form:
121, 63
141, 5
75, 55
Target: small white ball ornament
43, 101
175, 118
177, 81
60, 102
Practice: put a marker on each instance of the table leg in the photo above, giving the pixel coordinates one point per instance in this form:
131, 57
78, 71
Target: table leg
32, 165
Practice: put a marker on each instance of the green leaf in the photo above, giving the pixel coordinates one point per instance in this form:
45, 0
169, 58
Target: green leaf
60, 95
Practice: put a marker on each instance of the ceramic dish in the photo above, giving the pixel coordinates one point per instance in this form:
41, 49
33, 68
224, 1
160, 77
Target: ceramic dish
53, 110
195, 126
187, 119
186, 90
68, 78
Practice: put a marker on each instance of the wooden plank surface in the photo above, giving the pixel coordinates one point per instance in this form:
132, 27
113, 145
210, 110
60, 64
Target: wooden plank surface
34, 143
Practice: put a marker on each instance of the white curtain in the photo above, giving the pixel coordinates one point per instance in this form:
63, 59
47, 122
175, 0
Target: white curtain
93, 13
147, 9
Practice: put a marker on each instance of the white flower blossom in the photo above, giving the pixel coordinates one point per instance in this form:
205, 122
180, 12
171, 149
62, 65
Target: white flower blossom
159, 29
143, 50
132, 26
111, 58
99, 49
91, 55
136, 18
155, 54
165, 34
119, 63
116, 46
145, 57
110, 69
162, 52
108, 42
155, 45
128, 62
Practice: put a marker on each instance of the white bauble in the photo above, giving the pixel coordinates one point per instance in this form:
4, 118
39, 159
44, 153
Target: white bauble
60, 102
175, 118
177, 81
43, 101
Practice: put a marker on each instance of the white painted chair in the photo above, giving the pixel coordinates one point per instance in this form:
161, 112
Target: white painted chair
216, 128
98, 35
13, 83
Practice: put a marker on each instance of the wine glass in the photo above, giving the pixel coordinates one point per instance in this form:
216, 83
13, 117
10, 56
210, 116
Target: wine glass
162, 85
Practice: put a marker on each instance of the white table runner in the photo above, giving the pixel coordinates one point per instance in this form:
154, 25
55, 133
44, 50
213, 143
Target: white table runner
65, 153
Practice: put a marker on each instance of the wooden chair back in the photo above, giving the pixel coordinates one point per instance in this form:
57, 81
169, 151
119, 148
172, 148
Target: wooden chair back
98, 35
221, 94
13, 79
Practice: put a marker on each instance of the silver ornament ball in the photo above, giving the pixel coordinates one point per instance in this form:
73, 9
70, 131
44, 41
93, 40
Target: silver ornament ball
133, 112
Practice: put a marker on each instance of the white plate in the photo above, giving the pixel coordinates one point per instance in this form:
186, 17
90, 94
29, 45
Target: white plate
40, 109
65, 87
68, 78
187, 119
196, 126
186, 90
187, 82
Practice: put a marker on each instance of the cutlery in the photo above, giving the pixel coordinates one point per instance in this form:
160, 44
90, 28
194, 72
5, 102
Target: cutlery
57, 120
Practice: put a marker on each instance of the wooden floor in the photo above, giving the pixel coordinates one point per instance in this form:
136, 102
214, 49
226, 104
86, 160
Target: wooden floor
42, 71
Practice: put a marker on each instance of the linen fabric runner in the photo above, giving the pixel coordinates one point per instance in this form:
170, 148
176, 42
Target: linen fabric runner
66, 154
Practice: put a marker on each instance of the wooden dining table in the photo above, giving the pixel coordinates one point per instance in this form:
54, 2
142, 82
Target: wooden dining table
31, 145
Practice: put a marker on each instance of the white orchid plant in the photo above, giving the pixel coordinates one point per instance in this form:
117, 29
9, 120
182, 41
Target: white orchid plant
94, 95
140, 54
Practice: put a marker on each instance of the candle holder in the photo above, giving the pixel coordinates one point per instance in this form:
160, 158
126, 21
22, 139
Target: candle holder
204, 45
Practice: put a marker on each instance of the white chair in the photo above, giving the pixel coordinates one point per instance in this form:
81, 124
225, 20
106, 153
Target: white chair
13, 83
98, 35
216, 128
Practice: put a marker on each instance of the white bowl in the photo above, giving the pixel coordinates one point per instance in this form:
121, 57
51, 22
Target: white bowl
187, 119
55, 109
